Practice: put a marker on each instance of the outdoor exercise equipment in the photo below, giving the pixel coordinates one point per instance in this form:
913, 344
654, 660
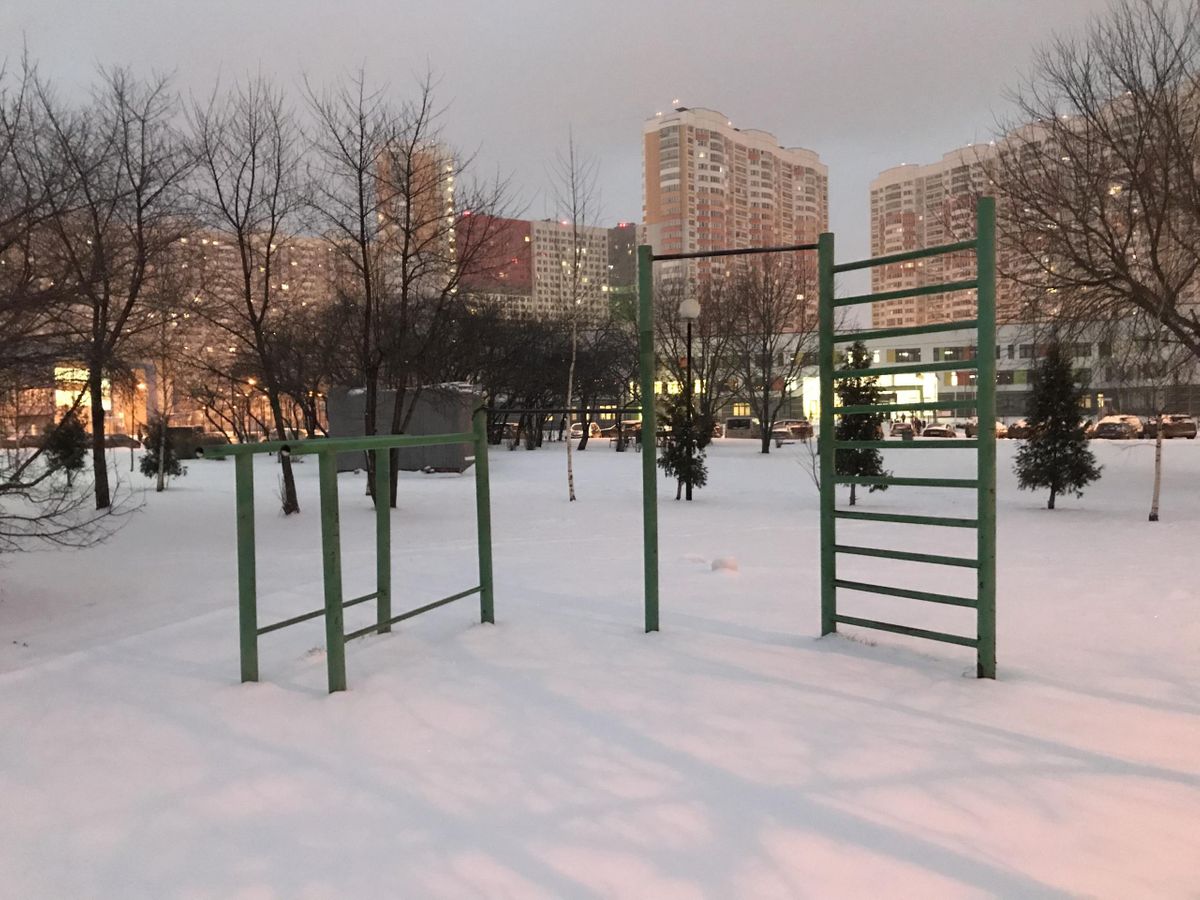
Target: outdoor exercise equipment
326, 451
984, 482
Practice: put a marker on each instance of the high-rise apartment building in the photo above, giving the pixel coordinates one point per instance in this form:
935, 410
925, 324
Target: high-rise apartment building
710, 186
914, 206
527, 268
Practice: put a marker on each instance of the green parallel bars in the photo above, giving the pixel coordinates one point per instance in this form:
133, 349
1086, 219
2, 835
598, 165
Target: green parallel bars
825, 444
985, 412
649, 433
383, 539
331, 565
243, 468
483, 518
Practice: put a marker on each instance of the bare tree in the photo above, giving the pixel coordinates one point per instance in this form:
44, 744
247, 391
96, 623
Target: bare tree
774, 324
1101, 212
113, 224
576, 196
714, 360
248, 146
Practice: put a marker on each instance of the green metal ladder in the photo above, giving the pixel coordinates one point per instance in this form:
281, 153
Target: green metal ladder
984, 482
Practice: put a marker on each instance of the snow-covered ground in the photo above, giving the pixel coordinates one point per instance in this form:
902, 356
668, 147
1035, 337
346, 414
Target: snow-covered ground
564, 753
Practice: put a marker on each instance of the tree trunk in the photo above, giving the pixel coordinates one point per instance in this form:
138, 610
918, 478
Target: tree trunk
99, 463
291, 503
1050, 502
679, 487
1158, 448
852, 496
570, 391
370, 423
160, 484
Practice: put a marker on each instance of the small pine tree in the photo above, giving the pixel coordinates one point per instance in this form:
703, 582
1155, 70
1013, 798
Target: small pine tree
859, 426
66, 445
1056, 455
682, 457
158, 442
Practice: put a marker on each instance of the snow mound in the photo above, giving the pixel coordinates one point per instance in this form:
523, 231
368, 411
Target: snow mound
725, 564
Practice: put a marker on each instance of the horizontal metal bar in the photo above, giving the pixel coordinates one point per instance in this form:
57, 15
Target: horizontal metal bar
933, 559
666, 257
339, 445
871, 408
907, 369
946, 599
911, 632
879, 334
558, 411
905, 257
892, 480
905, 519
317, 613
921, 291
923, 444
413, 612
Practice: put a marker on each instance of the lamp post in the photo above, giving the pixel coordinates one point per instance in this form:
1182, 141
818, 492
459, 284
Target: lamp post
689, 312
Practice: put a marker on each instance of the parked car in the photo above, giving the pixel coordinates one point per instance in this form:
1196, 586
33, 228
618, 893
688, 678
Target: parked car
594, 430
718, 430
191, 441
122, 440
743, 427
1019, 430
797, 428
1118, 428
940, 431
902, 429
1174, 425
971, 428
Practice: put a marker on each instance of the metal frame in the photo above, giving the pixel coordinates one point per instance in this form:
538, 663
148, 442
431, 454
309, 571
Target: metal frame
331, 550
984, 483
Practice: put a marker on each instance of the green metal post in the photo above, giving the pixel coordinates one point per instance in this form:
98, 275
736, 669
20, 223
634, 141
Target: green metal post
331, 557
826, 437
383, 540
649, 433
483, 516
985, 394
243, 470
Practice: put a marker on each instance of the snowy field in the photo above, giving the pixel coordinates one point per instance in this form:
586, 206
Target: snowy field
564, 753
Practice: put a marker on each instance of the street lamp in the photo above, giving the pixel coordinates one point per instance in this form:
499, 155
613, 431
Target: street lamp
689, 312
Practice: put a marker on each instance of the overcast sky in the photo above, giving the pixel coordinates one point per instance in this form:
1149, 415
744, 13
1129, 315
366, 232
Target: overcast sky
867, 84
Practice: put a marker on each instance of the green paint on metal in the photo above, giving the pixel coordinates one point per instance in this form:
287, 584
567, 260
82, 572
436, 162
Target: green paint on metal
905, 519
911, 632
984, 445
986, 508
902, 407
483, 517
826, 436
649, 434
362, 632
922, 291
897, 481
315, 614
907, 593
908, 556
926, 444
879, 334
924, 253
339, 445
383, 539
331, 566
243, 471
907, 369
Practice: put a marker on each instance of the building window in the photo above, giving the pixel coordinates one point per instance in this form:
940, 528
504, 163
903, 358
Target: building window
1026, 351
741, 409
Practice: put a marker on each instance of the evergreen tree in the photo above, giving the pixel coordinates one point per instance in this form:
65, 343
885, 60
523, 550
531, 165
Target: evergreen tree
1056, 455
158, 446
66, 445
683, 456
859, 426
